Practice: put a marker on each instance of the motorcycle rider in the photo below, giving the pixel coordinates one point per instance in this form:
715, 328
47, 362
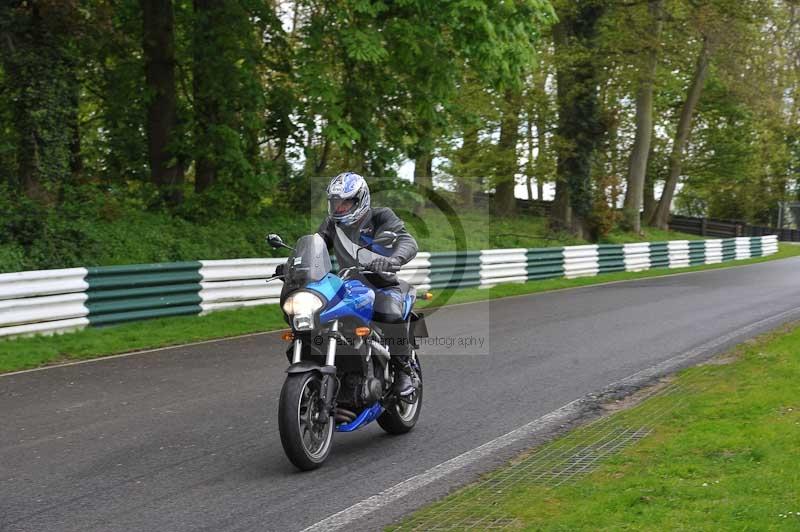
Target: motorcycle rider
351, 223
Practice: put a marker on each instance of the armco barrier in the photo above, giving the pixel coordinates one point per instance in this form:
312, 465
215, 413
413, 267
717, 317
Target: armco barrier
581, 261
43, 301
127, 293
237, 283
50, 301
637, 256
544, 263
503, 266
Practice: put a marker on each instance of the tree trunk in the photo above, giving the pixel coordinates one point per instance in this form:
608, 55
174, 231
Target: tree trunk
465, 183
660, 217
206, 105
541, 156
158, 44
644, 125
423, 178
75, 155
650, 203
542, 109
423, 171
580, 129
504, 200
529, 172
323, 158
561, 211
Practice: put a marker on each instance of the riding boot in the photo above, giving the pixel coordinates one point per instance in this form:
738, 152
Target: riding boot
405, 377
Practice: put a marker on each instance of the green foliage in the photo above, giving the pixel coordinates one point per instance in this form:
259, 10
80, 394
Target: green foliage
112, 105
741, 162
39, 61
94, 227
271, 95
228, 99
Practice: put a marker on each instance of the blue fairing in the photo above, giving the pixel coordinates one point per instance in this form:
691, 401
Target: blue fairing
368, 415
343, 299
330, 287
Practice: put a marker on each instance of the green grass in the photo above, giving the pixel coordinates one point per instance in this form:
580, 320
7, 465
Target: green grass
482, 231
722, 457
31, 352
649, 234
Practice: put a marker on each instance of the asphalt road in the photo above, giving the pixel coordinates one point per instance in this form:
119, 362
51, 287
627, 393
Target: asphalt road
187, 438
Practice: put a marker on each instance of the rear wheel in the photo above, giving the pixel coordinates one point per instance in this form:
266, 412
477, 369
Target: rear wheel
401, 416
306, 431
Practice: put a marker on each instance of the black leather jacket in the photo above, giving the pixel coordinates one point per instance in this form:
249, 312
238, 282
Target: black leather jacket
345, 239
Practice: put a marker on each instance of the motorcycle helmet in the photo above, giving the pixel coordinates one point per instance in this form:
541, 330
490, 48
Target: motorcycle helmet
348, 198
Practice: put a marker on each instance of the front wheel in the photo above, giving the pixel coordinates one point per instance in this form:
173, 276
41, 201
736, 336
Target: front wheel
400, 417
306, 431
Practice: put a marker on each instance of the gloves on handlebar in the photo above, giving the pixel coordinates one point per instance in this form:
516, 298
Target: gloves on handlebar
384, 265
280, 269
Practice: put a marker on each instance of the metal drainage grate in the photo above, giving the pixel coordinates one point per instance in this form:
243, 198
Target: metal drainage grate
475, 507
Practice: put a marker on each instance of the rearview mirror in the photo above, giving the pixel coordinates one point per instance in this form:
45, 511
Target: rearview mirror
275, 241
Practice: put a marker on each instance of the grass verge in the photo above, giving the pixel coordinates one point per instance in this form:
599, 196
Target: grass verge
26, 353
721, 455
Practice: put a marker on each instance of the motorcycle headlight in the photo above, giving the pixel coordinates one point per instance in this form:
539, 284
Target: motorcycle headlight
303, 303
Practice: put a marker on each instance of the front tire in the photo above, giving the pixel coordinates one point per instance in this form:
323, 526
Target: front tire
306, 433
400, 417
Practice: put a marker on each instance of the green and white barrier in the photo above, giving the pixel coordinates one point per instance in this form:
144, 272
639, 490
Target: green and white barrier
43, 301
48, 301
237, 283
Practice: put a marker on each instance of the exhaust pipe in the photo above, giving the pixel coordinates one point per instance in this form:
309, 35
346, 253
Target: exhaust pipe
382, 351
344, 415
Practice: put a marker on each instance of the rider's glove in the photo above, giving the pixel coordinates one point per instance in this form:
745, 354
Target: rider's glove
384, 265
279, 269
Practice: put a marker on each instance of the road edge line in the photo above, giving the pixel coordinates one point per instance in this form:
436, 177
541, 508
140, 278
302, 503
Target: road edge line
141, 352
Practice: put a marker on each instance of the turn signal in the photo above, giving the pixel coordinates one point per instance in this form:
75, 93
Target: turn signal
362, 331
288, 336
427, 296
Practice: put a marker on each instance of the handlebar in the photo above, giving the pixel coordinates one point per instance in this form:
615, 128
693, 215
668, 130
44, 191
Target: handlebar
363, 269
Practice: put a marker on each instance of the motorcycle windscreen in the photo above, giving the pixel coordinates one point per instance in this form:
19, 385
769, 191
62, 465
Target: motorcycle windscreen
310, 261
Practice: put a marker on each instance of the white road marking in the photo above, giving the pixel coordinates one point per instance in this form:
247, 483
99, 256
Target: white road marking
142, 352
345, 517
388, 496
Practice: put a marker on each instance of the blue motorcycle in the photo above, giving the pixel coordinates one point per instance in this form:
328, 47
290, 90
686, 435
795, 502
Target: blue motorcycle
340, 377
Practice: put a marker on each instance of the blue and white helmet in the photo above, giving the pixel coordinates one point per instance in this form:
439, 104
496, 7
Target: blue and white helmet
348, 198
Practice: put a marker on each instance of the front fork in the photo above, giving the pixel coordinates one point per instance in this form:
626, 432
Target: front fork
330, 385
330, 355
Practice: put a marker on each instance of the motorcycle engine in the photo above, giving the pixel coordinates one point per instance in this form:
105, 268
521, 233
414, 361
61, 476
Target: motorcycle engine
359, 391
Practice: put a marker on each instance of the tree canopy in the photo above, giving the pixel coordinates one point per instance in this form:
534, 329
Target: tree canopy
620, 110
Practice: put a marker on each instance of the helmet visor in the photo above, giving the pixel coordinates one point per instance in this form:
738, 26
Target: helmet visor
341, 207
